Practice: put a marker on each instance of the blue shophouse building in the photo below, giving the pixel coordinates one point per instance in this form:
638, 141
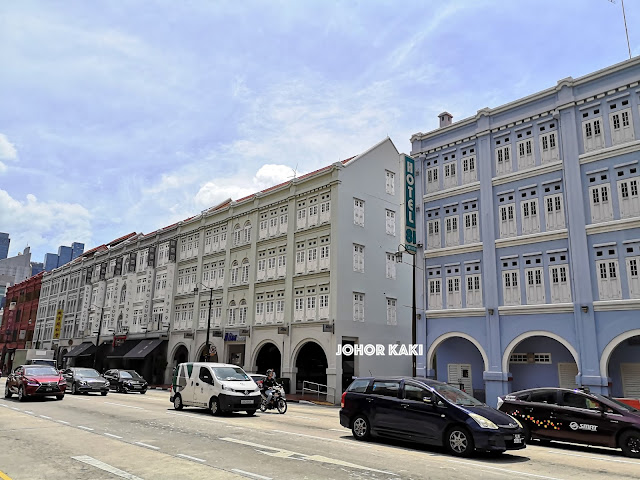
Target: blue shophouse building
531, 233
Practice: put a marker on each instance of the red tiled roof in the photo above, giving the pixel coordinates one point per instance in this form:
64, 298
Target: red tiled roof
121, 239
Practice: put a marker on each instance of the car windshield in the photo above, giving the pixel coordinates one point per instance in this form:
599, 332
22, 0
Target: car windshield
456, 396
43, 362
86, 372
40, 370
230, 374
617, 403
130, 374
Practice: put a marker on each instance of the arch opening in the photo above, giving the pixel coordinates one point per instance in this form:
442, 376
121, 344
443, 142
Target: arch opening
621, 365
269, 356
312, 364
459, 362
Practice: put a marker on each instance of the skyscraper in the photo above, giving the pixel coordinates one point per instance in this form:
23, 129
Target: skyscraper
4, 245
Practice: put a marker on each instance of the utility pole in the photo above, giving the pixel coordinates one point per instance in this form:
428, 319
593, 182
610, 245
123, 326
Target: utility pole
95, 357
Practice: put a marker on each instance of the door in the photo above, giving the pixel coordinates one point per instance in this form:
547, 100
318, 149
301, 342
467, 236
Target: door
581, 419
203, 383
184, 386
423, 421
567, 375
384, 398
630, 379
537, 412
459, 376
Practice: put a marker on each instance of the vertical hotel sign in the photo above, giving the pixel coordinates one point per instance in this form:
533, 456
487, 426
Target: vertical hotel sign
58, 325
410, 205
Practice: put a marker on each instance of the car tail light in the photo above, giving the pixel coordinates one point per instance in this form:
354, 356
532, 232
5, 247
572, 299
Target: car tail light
342, 399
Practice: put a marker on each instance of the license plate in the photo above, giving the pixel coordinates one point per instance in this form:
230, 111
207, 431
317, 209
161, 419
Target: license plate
246, 402
517, 438
47, 389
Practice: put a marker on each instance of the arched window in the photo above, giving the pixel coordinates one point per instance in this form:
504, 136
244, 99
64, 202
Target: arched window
245, 271
234, 272
125, 265
247, 232
123, 293
242, 313
231, 313
237, 235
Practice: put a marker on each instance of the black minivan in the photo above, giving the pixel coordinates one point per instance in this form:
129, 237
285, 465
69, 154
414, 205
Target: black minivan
427, 411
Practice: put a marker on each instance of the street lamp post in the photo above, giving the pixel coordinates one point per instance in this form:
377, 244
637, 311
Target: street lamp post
207, 347
413, 301
95, 357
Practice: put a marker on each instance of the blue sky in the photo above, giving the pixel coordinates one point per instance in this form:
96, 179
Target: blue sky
122, 115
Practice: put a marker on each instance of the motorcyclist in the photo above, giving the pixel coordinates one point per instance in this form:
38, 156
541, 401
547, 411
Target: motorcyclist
268, 384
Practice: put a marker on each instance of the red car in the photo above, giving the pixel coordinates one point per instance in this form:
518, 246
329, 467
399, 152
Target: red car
35, 381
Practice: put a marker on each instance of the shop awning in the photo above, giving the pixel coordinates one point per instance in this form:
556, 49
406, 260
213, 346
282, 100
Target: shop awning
121, 350
83, 350
144, 348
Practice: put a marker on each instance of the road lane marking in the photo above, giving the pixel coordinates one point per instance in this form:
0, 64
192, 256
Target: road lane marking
16, 409
249, 474
85, 428
123, 405
4, 476
341, 430
593, 458
106, 467
482, 465
41, 416
351, 443
76, 398
282, 453
153, 447
63, 422
198, 417
3, 405
112, 435
30, 413
191, 458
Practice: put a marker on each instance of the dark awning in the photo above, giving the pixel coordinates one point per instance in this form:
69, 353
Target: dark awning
121, 350
83, 350
144, 348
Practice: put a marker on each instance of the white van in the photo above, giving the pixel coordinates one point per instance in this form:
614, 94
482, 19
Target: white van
220, 387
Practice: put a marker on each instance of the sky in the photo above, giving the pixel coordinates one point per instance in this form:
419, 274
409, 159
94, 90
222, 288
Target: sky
121, 115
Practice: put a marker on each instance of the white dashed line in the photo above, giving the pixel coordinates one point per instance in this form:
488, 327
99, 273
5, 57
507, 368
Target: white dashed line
191, 458
30, 413
85, 428
607, 459
112, 435
16, 409
123, 405
41, 416
3, 405
337, 430
63, 422
484, 466
147, 445
249, 474
106, 467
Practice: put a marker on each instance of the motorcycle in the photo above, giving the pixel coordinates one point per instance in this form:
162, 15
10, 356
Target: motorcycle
277, 400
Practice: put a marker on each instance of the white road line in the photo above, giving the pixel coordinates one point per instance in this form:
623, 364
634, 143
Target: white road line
63, 422
606, 459
249, 474
76, 398
85, 428
106, 467
16, 409
341, 430
123, 405
30, 413
41, 416
198, 417
112, 435
484, 466
3, 405
191, 458
317, 438
147, 445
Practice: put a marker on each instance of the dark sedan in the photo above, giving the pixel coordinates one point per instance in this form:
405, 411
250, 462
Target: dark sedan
575, 416
427, 411
125, 381
85, 380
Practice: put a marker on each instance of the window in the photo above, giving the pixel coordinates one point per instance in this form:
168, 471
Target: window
544, 396
608, 280
507, 221
358, 386
247, 232
601, 209
451, 236
592, 134
450, 175
358, 212
433, 234
231, 313
560, 286
358, 307
300, 261
469, 170
575, 400
632, 275
324, 256
454, 293
530, 218
391, 222
526, 158
325, 211
390, 185
358, 258
385, 388
237, 235
391, 312
433, 185
391, 266
234, 272
474, 291
621, 126
549, 147
535, 286
471, 228
245, 271
299, 308
628, 197
511, 287
503, 160
301, 220
435, 294
242, 312
554, 215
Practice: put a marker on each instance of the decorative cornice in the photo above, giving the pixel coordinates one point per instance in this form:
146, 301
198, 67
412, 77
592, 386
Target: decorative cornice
612, 226
450, 192
614, 305
527, 173
458, 249
532, 238
455, 312
609, 152
536, 309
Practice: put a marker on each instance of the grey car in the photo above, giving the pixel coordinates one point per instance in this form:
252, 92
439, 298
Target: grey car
85, 380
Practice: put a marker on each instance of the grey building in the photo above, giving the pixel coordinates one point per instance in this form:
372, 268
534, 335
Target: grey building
14, 270
4, 245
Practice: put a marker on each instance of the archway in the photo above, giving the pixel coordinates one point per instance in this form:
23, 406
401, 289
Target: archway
460, 361
181, 355
540, 359
213, 356
620, 362
311, 363
269, 357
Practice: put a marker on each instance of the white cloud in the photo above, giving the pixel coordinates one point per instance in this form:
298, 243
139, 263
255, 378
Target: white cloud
7, 149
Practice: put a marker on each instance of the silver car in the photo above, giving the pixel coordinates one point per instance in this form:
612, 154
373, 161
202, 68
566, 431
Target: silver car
85, 380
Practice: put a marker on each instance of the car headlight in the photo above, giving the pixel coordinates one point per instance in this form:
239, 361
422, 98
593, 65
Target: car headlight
224, 387
106, 383
483, 422
82, 382
516, 420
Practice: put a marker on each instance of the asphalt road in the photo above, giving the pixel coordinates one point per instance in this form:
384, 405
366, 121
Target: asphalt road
141, 437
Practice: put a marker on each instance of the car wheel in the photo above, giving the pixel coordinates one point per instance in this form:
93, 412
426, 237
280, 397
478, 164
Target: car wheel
21, 395
459, 441
143, 392
214, 406
251, 412
177, 402
7, 391
74, 389
104, 394
59, 397
630, 443
526, 433
361, 428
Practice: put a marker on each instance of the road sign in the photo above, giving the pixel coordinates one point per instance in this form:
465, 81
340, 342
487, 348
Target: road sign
58, 325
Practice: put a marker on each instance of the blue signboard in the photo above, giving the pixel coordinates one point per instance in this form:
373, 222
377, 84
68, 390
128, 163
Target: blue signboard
410, 205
